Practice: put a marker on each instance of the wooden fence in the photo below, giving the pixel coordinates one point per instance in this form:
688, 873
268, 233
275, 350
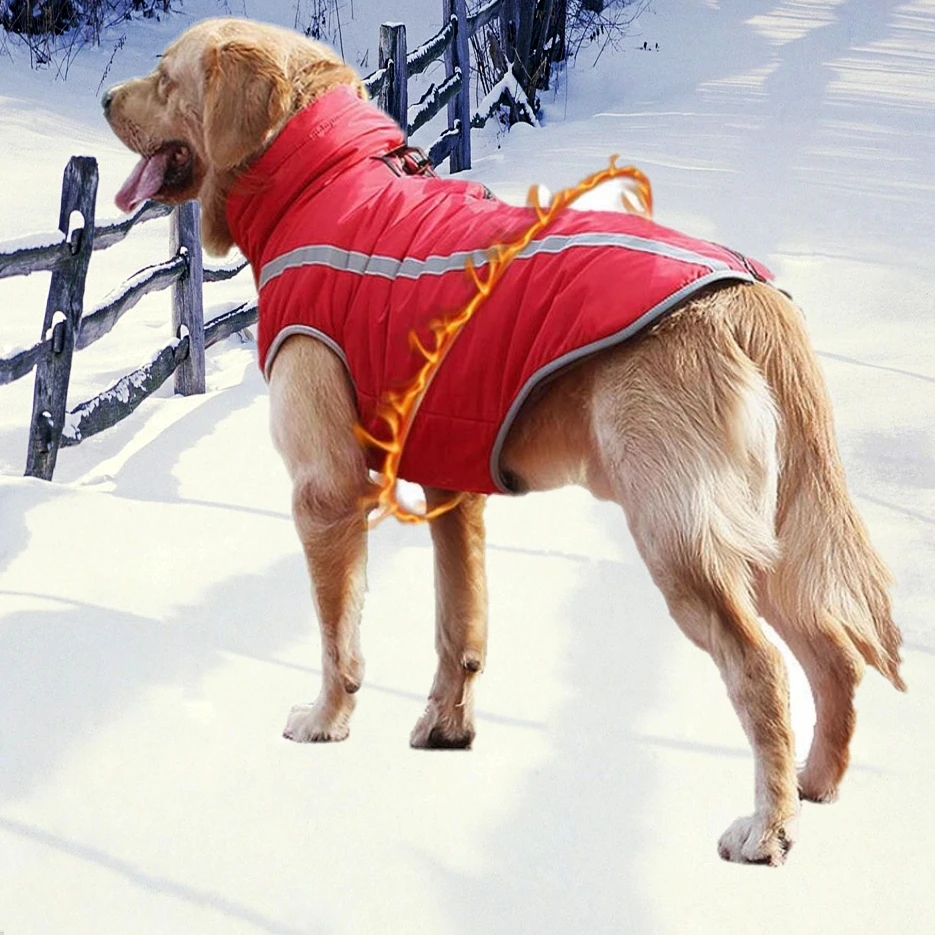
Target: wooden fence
67, 327
389, 85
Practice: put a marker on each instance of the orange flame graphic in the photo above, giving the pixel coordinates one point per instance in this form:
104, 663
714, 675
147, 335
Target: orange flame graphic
398, 408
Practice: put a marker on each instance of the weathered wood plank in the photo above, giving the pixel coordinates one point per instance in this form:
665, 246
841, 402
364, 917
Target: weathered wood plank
509, 27
16, 260
35, 254
220, 273
22, 362
441, 149
228, 323
62, 316
118, 401
525, 11
435, 99
486, 14
420, 59
188, 298
394, 98
458, 58
374, 82
102, 319
108, 234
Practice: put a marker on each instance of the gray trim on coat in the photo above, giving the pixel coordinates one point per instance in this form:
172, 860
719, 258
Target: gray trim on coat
388, 267
571, 357
409, 268
310, 332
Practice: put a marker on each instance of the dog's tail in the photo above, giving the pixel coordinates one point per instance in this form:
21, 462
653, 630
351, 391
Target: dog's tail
828, 574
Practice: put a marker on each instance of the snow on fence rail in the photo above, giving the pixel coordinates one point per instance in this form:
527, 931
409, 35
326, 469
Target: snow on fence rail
66, 327
66, 252
39, 252
389, 84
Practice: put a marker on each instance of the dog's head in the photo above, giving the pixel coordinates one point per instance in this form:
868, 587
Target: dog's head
219, 95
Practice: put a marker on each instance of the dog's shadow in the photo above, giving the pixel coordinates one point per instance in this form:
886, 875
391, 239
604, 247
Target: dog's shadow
68, 669
564, 859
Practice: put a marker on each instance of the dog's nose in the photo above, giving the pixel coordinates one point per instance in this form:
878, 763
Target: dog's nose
106, 100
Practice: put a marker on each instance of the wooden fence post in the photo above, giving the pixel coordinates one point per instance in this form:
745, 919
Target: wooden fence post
540, 57
526, 10
394, 95
62, 316
457, 55
509, 26
187, 298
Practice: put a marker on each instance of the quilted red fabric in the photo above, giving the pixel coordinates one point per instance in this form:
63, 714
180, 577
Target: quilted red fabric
347, 250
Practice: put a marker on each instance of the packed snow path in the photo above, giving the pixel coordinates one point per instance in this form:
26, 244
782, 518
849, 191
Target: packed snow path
155, 625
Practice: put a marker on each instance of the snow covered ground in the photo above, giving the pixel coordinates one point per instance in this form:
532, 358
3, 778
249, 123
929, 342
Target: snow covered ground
155, 625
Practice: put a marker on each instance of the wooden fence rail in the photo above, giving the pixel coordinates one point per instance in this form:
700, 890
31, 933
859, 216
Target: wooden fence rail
118, 401
389, 84
67, 251
67, 328
45, 256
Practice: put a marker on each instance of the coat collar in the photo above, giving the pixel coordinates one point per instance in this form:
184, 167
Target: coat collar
335, 132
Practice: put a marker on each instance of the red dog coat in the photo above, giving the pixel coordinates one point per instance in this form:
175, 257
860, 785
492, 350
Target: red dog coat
347, 250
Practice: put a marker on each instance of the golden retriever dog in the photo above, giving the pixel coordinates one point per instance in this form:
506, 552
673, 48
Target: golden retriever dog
739, 507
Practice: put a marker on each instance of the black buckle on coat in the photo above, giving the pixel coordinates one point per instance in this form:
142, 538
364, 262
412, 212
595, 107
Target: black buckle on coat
409, 160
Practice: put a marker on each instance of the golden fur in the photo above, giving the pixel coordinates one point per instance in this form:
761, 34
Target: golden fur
738, 506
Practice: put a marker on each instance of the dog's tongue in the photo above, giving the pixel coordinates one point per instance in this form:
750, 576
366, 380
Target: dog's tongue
144, 181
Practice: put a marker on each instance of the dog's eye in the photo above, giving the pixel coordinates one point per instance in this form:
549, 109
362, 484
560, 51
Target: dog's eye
163, 85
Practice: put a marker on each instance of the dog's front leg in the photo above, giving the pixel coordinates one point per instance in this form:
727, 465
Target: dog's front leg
312, 418
334, 537
460, 621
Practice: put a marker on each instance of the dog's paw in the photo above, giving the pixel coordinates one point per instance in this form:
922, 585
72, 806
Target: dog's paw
435, 732
758, 839
310, 723
817, 789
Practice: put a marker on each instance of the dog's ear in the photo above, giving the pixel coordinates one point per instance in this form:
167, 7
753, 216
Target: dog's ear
246, 96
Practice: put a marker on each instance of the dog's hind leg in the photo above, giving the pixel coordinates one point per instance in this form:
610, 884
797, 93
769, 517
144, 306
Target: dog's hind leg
687, 430
716, 612
312, 418
828, 593
834, 669
460, 621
